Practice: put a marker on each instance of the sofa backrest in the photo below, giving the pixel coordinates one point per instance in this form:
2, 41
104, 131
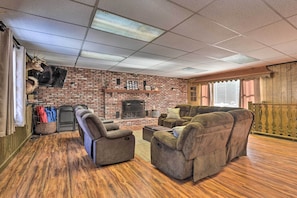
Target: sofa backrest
184, 109
237, 143
205, 134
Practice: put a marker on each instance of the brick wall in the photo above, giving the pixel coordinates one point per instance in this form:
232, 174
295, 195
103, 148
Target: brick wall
84, 86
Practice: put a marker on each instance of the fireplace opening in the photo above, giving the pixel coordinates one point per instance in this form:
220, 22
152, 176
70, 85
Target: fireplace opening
133, 109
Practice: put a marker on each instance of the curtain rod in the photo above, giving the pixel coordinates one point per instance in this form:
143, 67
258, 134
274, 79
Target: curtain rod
3, 28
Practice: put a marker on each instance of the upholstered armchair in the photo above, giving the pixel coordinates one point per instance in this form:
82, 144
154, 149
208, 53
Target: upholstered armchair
106, 147
199, 150
79, 113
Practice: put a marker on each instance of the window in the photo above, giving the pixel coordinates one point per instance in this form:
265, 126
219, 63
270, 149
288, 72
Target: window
226, 94
193, 94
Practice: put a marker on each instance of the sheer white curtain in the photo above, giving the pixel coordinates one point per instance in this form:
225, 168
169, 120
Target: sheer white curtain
7, 126
20, 86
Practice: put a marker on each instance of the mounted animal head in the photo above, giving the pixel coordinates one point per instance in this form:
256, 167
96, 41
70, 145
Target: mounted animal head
35, 64
31, 84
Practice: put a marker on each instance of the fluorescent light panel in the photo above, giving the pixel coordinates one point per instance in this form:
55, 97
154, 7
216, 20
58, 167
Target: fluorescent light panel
239, 58
100, 56
115, 24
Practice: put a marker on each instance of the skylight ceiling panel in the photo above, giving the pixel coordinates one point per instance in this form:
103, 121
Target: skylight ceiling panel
95, 47
215, 52
158, 13
241, 44
114, 40
37, 37
240, 15
49, 48
163, 51
275, 33
68, 11
203, 29
179, 42
42, 25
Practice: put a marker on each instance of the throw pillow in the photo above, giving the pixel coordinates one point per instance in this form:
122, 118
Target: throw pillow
177, 130
173, 113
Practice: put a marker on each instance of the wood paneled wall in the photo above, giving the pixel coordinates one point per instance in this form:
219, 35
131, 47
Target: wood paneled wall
11, 144
281, 88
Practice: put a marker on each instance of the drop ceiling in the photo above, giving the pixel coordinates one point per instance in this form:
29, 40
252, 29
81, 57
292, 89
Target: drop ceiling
199, 34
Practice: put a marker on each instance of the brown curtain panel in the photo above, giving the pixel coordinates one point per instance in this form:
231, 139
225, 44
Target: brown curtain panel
6, 84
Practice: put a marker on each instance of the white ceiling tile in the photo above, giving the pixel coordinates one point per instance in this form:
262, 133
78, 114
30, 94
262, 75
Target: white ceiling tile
287, 48
123, 69
215, 52
162, 51
88, 2
95, 47
55, 58
192, 4
240, 15
195, 58
49, 39
43, 25
179, 42
241, 44
275, 33
49, 48
202, 29
285, 7
144, 59
264, 53
293, 20
62, 10
277, 60
114, 40
158, 13
94, 63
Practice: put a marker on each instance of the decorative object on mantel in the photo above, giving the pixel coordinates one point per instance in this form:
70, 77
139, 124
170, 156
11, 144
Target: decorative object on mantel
132, 85
148, 88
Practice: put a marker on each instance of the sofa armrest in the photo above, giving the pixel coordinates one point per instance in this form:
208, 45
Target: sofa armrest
118, 133
111, 126
166, 138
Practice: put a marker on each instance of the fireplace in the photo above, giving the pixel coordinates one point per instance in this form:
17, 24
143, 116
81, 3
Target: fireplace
133, 109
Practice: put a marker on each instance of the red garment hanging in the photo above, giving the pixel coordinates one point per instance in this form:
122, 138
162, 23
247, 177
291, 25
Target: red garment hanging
41, 114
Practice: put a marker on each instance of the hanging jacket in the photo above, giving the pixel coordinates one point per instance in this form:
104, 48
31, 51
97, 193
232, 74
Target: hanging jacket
41, 114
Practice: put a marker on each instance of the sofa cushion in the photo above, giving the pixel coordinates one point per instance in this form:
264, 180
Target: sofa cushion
173, 113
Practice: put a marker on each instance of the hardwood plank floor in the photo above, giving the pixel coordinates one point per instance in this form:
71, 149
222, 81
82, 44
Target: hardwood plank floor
57, 165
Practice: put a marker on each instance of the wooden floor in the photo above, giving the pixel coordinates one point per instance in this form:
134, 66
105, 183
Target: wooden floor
58, 166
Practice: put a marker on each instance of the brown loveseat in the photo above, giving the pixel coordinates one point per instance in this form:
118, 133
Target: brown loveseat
204, 145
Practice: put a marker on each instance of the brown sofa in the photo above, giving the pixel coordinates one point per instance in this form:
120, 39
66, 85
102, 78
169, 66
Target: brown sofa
186, 113
204, 145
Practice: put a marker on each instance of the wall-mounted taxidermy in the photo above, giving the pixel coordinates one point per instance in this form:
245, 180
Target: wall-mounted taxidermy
31, 84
